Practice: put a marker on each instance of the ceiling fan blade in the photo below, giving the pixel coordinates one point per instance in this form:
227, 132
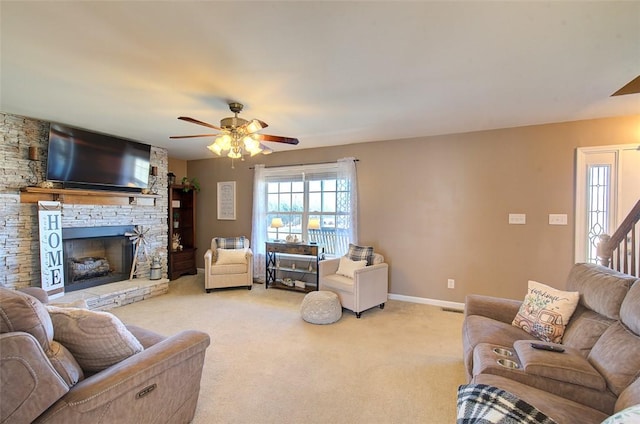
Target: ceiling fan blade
277, 139
193, 136
195, 121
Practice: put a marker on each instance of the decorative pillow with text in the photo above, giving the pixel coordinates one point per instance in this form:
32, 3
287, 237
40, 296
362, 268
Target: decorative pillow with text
546, 311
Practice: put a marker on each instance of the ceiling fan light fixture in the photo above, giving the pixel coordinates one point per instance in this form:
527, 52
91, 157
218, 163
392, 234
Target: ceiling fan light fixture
224, 142
253, 126
215, 148
250, 143
238, 137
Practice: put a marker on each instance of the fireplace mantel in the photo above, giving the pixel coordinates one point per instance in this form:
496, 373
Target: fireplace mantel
86, 197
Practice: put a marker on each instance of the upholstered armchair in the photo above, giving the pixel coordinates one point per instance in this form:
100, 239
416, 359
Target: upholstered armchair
70, 365
228, 263
359, 287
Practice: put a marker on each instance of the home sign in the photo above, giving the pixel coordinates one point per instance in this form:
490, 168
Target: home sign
51, 254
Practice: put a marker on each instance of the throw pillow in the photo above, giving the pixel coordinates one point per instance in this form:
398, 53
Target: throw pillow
347, 267
96, 339
545, 311
626, 416
231, 256
230, 242
359, 253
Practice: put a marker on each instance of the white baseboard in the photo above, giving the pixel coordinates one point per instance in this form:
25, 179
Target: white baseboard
426, 301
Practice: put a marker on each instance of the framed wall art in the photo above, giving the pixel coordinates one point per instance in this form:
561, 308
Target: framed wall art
227, 200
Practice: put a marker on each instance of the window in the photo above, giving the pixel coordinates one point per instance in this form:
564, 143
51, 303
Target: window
321, 195
315, 210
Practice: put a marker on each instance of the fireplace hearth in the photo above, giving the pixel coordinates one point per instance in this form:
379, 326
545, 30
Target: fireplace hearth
96, 255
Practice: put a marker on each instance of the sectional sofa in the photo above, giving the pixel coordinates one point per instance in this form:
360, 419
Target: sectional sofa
596, 375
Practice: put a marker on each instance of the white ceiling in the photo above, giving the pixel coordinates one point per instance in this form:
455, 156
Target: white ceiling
327, 73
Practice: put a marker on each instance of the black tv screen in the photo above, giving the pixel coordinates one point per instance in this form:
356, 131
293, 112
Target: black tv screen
84, 159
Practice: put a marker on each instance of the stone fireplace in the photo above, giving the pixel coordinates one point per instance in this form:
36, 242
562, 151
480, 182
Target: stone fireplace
19, 226
96, 255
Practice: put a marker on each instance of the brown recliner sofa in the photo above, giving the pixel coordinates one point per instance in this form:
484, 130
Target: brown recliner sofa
42, 382
596, 376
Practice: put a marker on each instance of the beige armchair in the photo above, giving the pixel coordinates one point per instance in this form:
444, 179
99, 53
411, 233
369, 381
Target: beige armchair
228, 263
367, 288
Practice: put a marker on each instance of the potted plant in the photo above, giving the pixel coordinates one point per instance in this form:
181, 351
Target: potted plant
188, 184
176, 219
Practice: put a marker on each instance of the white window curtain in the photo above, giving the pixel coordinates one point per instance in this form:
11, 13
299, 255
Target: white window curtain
259, 231
344, 169
347, 175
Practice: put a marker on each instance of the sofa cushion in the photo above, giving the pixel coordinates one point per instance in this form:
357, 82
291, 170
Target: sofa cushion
630, 309
231, 256
377, 259
584, 329
359, 253
96, 339
616, 356
569, 366
65, 364
545, 311
561, 410
629, 396
601, 289
229, 269
22, 312
347, 266
338, 282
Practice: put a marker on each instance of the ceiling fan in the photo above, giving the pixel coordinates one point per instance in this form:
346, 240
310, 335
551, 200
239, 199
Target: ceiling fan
237, 137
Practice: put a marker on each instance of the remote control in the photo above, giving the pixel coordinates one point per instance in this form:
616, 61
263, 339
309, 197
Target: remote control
547, 347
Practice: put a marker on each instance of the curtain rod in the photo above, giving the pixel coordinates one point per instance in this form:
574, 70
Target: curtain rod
301, 164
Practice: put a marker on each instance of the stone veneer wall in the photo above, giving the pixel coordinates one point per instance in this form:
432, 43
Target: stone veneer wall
19, 244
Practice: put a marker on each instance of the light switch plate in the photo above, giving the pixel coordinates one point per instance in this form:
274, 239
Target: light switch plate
557, 219
517, 218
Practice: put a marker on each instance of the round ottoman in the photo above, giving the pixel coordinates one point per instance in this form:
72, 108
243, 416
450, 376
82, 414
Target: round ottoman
321, 307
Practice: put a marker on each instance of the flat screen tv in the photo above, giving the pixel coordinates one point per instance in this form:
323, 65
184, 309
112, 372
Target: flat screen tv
84, 159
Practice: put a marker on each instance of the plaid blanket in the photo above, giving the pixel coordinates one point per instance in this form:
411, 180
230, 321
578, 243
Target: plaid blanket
483, 404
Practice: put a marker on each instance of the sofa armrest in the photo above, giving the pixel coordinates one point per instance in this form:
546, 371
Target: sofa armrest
568, 366
208, 261
143, 388
328, 267
371, 284
504, 310
24, 364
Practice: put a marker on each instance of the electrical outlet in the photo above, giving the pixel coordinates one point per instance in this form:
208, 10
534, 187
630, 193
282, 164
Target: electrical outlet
451, 283
517, 218
557, 219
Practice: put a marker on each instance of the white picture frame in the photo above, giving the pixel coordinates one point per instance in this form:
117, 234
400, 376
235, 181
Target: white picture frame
227, 200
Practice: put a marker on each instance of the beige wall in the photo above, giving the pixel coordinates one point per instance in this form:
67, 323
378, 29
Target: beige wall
437, 207
179, 168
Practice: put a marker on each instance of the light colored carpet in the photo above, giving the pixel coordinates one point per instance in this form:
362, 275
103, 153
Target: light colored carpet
402, 364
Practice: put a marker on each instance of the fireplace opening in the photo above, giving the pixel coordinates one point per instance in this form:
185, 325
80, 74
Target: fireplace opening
96, 255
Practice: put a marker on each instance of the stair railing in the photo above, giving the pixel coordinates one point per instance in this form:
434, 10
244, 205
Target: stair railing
620, 250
